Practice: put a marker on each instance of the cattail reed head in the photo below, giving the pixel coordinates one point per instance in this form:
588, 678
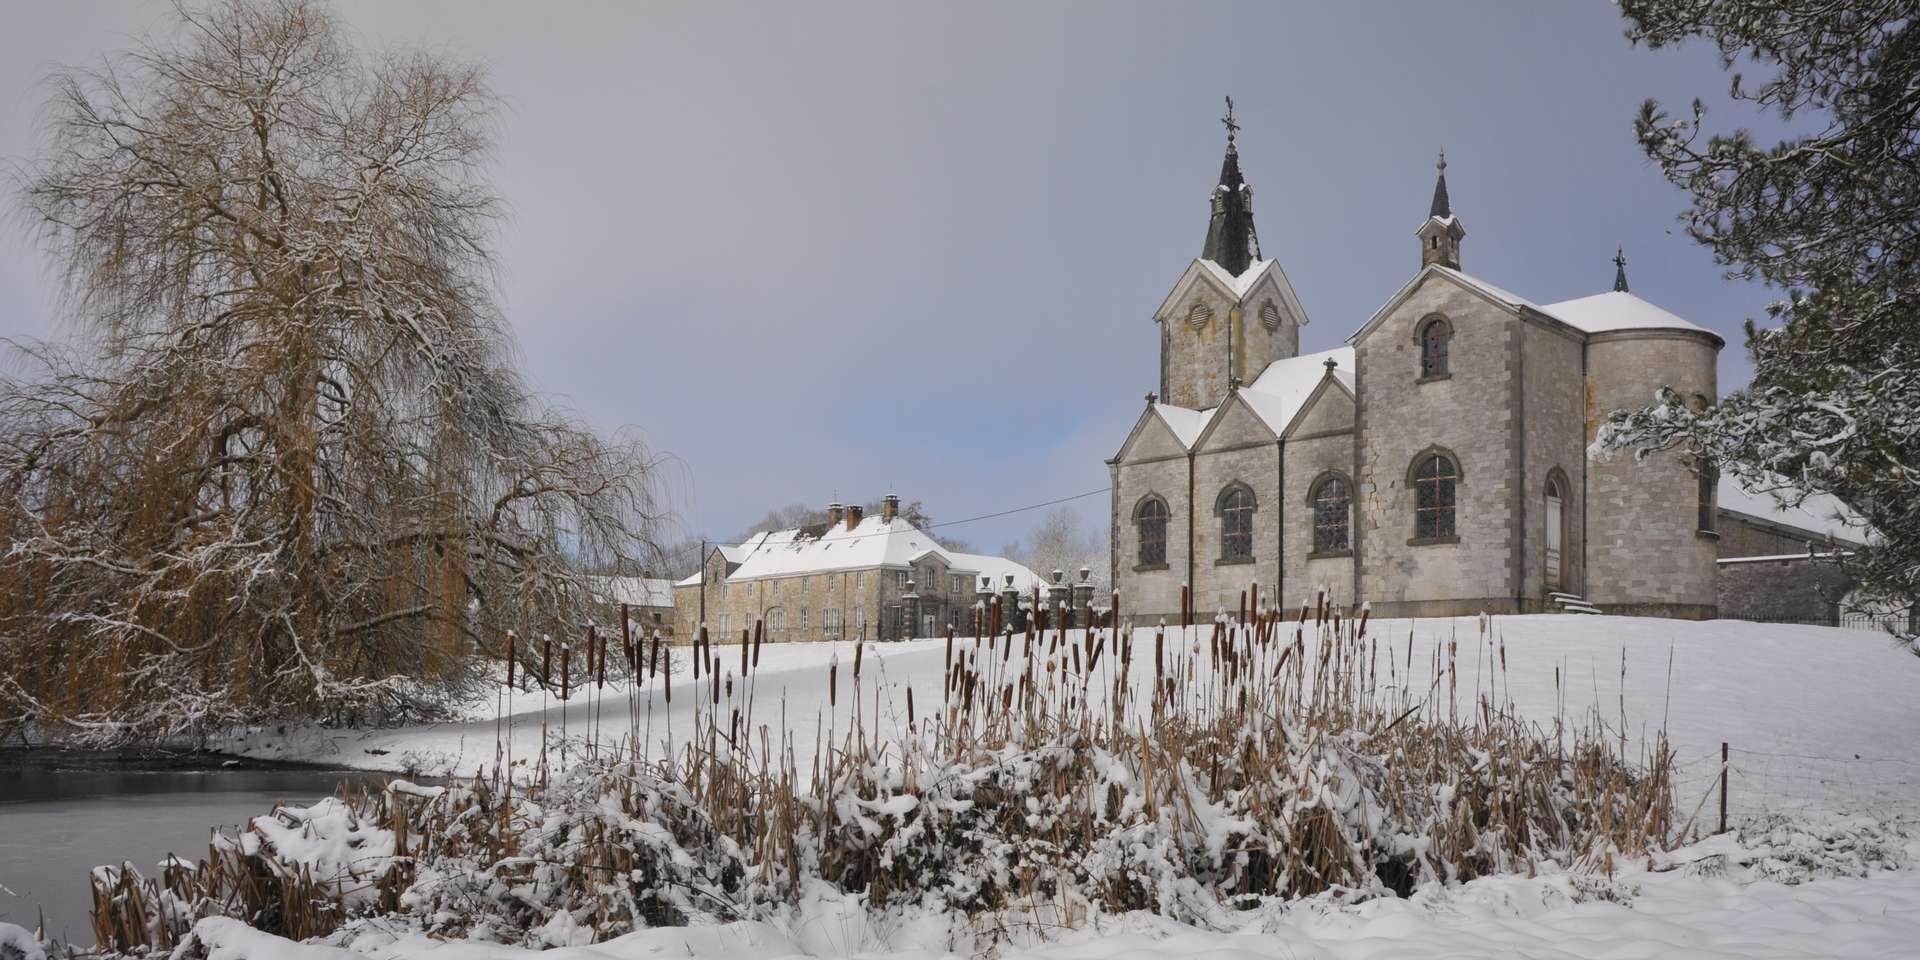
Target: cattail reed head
859, 651
833, 684
510, 660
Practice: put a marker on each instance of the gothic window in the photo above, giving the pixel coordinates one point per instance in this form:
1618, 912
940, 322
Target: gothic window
1332, 509
1235, 508
1709, 481
1199, 314
1151, 517
1434, 337
1434, 478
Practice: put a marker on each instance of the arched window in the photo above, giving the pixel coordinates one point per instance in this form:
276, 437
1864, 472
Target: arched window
1556, 523
1435, 335
1332, 503
1235, 508
1709, 484
1434, 477
1151, 517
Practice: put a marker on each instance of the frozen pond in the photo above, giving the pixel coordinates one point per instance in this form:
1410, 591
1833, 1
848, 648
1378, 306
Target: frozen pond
61, 814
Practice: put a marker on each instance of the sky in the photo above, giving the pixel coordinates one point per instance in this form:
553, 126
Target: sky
827, 250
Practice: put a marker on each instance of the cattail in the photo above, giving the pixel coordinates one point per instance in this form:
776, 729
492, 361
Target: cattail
715, 675
833, 684
744, 665
859, 651
626, 642
910, 700
546, 656
597, 649
566, 671
1367, 614
510, 659
758, 635
1159, 664
699, 646
1241, 617
666, 682
653, 666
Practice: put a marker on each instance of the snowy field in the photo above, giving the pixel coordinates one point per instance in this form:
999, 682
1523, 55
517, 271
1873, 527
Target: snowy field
1825, 783
1818, 719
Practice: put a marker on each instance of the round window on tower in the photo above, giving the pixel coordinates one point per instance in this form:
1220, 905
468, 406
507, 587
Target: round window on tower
1199, 314
1270, 316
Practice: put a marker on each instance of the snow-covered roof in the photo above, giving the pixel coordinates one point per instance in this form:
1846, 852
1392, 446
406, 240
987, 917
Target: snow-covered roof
983, 565
641, 591
1276, 396
1818, 513
1279, 393
1186, 424
1618, 310
874, 543
1242, 283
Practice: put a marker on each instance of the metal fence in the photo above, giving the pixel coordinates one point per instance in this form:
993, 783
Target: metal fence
1898, 623
1760, 782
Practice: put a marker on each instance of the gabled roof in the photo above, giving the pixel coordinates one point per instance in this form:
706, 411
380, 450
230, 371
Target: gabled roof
1238, 289
998, 568
1277, 396
1503, 299
874, 543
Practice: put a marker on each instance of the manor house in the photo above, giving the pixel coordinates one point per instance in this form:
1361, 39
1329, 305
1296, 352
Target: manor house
1435, 464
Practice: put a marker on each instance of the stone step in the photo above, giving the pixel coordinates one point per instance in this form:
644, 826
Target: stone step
1579, 608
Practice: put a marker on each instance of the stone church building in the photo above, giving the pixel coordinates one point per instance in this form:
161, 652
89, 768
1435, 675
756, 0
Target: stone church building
1434, 465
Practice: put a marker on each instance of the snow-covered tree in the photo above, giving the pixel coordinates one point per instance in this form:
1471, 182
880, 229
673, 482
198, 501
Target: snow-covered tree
1830, 215
285, 467
1061, 542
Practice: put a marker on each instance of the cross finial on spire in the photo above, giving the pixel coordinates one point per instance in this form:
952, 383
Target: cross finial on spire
1620, 269
1228, 122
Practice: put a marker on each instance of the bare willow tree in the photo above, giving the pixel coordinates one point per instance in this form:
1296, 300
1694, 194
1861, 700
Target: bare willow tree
284, 468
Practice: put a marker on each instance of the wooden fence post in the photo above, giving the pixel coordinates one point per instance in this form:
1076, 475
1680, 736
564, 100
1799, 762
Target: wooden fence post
1723, 787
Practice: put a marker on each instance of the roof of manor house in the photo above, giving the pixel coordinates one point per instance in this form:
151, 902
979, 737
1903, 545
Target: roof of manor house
875, 542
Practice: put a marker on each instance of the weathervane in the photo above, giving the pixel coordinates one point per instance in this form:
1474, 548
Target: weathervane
1232, 127
1442, 165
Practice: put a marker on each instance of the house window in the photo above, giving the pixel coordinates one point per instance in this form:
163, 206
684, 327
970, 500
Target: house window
900, 578
1434, 337
1709, 482
1151, 517
955, 585
1235, 508
803, 618
1434, 477
1332, 506
860, 580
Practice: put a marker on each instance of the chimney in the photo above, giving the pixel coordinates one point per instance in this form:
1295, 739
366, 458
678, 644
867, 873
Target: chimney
889, 507
835, 513
854, 513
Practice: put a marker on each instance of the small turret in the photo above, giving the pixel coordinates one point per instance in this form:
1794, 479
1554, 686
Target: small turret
1440, 236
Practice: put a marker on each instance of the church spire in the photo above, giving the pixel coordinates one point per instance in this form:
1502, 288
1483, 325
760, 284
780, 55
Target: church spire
1620, 270
1440, 236
1231, 241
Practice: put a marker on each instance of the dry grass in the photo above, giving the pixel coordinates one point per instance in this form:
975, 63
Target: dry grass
1061, 774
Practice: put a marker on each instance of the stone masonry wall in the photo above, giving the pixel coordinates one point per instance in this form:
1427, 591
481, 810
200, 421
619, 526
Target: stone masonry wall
1552, 436
1468, 413
1155, 465
1309, 457
1645, 548
1240, 449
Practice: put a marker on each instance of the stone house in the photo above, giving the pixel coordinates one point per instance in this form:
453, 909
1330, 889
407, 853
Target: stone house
853, 577
649, 602
1436, 464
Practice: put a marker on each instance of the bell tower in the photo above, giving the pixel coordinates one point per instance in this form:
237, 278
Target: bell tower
1232, 313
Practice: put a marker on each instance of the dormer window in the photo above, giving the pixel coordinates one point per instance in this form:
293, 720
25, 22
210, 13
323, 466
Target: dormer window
1436, 335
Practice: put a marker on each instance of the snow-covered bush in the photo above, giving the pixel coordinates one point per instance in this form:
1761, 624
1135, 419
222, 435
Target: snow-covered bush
1062, 777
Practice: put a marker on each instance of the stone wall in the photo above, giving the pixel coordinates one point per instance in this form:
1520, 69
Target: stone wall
1802, 589
1644, 545
1154, 464
1552, 434
1322, 443
1469, 413
1237, 449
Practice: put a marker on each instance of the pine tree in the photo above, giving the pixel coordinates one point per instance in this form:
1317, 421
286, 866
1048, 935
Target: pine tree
1832, 217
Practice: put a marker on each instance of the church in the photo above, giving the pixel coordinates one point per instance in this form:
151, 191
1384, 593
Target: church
1436, 464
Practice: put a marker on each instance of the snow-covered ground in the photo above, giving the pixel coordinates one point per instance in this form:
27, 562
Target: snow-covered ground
1817, 719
